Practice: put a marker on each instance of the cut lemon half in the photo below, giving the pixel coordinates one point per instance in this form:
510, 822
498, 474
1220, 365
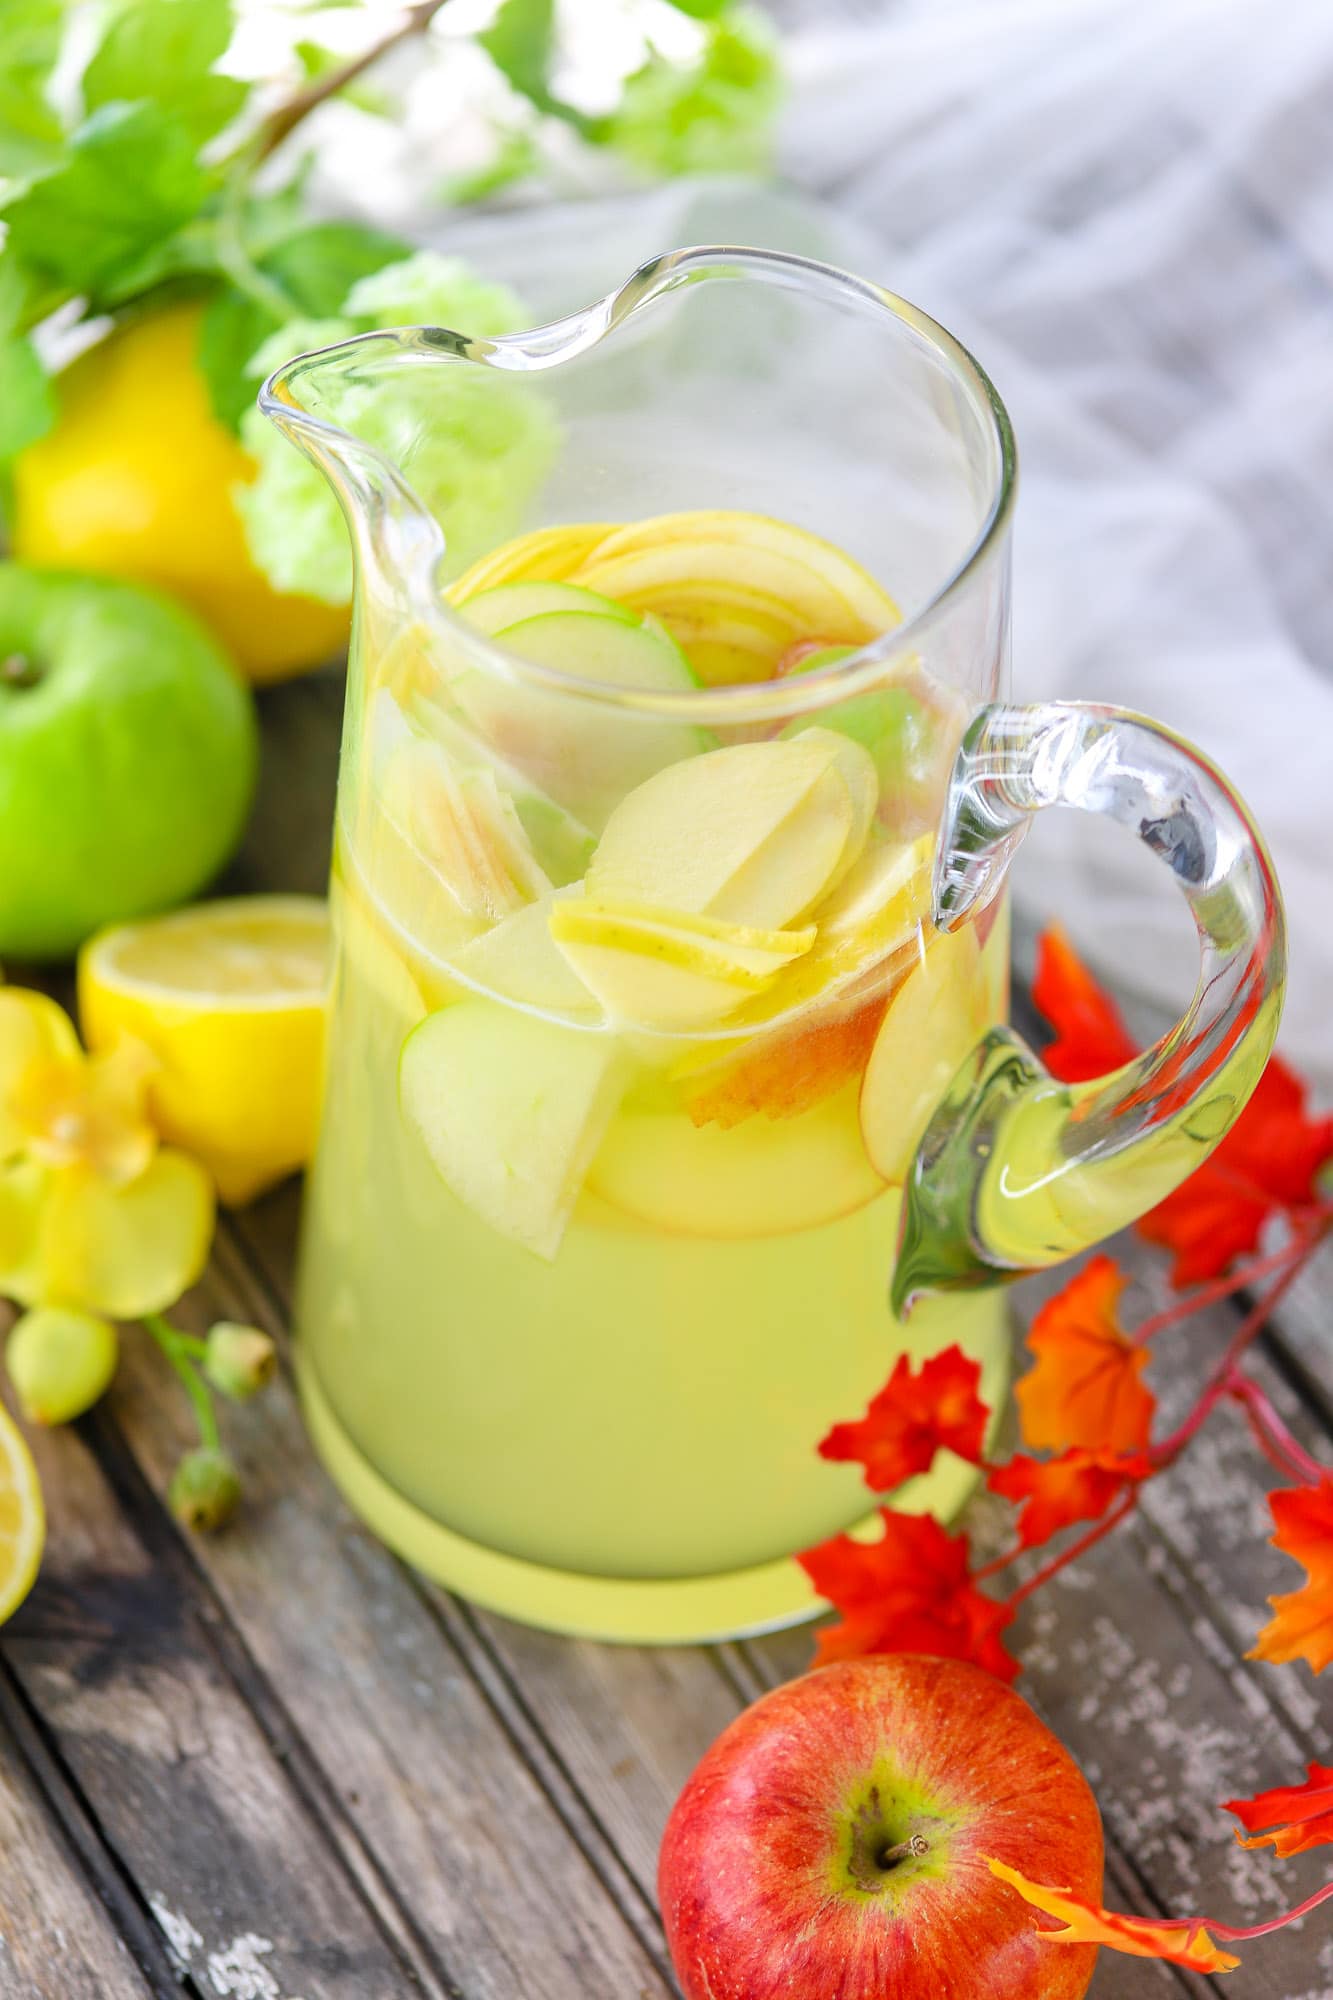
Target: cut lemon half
22, 1518
231, 997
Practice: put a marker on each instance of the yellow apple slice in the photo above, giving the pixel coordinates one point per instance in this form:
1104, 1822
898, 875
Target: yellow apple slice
494, 611
934, 1020
464, 826
694, 567
518, 960
664, 969
754, 833
511, 1110
551, 554
757, 1179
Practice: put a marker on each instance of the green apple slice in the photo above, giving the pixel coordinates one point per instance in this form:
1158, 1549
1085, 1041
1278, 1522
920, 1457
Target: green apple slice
519, 960
910, 730
664, 969
582, 753
754, 833
494, 611
936, 1017
764, 1177
511, 1110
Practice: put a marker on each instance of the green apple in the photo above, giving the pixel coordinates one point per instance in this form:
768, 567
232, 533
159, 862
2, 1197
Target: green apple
581, 752
511, 1110
494, 611
128, 752
755, 833
666, 970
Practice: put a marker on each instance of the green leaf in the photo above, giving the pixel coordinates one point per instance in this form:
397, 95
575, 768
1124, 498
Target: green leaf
27, 404
165, 50
516, 156
30, 37
128, 179
316, 267
700, 10
714, 115
520, 42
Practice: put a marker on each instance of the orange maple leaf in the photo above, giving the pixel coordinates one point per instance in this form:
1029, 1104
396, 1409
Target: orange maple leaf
1298, 1817
908, 1592
1079, 1485
1183, 1942
1090, 1037
1085, 1388
1268, 1162
912, 1418
1302, 1627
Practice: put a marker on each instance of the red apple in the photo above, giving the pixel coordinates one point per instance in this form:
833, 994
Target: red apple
832, 1844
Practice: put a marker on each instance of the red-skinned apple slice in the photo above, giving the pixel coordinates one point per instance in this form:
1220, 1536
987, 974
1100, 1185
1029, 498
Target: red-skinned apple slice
833, 1844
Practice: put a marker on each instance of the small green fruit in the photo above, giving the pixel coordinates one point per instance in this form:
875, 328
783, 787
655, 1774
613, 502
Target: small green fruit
60, 1362
239, 1359
128, 749
205, 1489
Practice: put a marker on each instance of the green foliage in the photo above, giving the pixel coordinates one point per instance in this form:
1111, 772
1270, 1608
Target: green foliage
473, 445
714, 116
146, 190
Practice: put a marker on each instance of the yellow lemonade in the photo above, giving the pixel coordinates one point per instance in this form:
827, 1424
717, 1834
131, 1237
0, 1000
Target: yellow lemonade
634, 1033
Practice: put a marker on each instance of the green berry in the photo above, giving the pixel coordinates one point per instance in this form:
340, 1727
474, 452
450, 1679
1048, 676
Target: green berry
60, 1361
239, 1359
205, 1489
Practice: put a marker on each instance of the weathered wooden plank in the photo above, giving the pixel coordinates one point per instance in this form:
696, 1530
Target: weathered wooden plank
57, 1941
117, 1654
418, 1765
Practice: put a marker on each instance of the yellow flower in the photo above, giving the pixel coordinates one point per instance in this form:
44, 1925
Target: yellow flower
93, 1212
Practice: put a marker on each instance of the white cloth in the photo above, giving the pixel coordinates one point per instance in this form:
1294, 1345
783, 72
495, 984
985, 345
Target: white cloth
1127, 212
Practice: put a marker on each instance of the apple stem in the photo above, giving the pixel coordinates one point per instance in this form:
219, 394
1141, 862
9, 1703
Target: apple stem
904, 1851
18, 671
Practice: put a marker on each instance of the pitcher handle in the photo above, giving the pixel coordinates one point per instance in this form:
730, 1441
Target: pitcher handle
1016, 1170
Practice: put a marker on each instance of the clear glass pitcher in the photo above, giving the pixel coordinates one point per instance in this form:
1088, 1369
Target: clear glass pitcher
668, 1060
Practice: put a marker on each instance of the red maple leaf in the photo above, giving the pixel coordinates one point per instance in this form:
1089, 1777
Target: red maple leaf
912, 1418
1086, 1388
1298, 1817
1178, 1941
908, 1592
1302, 1625
1090, 1037
1079, 1485
1269, 1161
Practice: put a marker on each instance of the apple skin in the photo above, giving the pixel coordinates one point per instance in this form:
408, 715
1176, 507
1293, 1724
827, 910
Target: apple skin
768, 1878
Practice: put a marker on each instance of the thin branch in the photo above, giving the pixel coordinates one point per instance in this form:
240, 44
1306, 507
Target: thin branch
288, 116
1095, 1534
1220, 1288
176, 1347
1275, 1440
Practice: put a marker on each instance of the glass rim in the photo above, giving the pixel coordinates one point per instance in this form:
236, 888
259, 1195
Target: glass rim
577, 333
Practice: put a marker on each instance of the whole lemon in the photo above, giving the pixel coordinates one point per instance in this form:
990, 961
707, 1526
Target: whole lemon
136, 480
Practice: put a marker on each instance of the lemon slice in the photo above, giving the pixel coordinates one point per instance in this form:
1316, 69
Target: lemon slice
231, 997
22, 1518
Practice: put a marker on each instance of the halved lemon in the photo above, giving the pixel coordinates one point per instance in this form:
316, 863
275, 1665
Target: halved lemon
22, 1518
232, 999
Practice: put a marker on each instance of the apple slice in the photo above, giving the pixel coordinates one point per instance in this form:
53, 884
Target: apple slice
911, 730
692, 568
665, 969
578, 751
518, 960
934, 1020
551, 554
511, 1110
759, 1179
562, 843
754, 833
465, 827
494, 611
